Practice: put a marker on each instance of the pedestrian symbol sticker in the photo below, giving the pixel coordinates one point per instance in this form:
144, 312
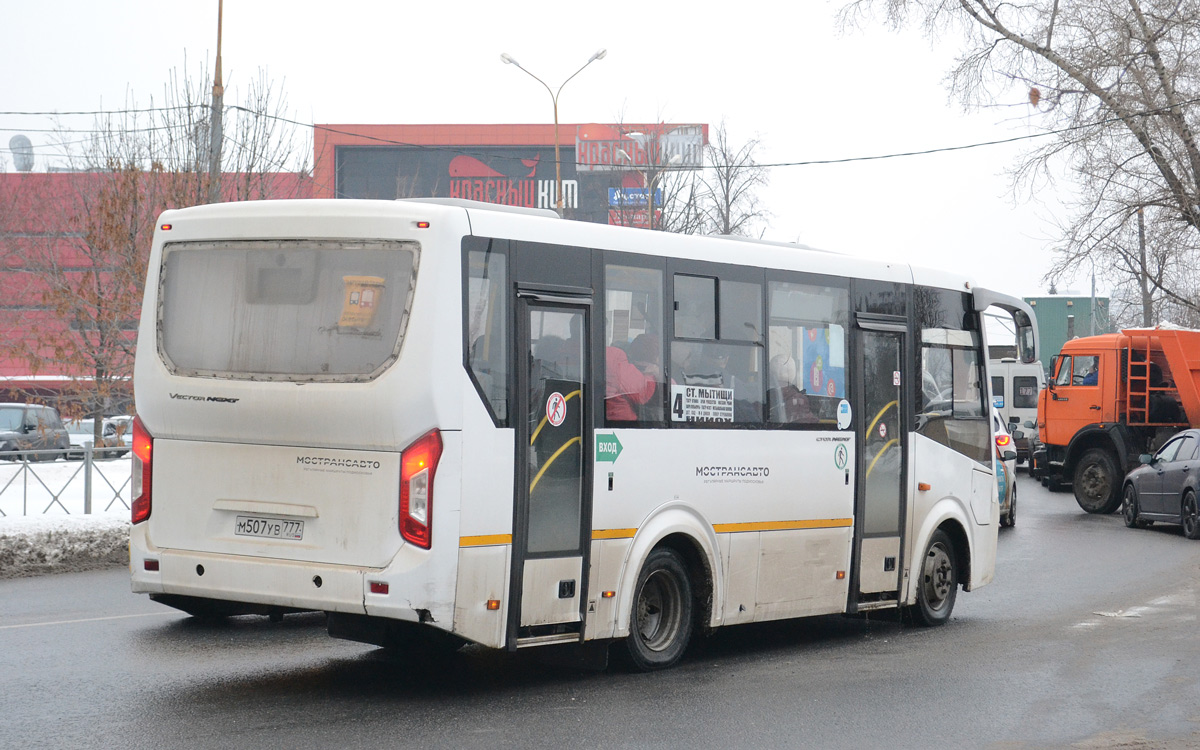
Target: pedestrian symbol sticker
556, 409
840, 456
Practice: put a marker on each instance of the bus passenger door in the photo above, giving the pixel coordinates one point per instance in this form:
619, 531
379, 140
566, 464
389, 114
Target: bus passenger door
881, 471
553, 475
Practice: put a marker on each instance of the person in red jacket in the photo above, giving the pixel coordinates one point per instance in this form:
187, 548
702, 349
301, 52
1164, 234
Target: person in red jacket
626, 386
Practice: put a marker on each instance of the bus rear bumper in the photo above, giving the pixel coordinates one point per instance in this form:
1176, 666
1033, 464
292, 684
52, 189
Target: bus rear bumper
254, 580
282, 584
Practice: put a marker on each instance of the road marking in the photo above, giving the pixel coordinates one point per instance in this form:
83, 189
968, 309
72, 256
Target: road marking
85, 619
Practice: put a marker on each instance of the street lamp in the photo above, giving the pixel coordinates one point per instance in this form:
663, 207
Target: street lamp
508, 59
650, 177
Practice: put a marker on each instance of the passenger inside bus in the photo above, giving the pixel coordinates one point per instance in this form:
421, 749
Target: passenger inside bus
625, 386
789, 404
645, 353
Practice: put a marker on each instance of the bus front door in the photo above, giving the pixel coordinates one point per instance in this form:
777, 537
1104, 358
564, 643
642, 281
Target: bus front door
879, 504
553, 477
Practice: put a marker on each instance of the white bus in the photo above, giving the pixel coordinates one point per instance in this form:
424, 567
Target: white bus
495, 426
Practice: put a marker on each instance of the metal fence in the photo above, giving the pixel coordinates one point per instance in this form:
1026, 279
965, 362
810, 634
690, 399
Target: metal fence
60, 481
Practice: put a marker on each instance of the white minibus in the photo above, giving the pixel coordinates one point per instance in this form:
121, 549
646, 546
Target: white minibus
491, 425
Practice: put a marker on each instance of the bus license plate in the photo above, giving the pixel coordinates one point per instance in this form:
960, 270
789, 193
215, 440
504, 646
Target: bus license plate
271, 528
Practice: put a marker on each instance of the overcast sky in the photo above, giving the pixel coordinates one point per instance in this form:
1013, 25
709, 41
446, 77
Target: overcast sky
784, 75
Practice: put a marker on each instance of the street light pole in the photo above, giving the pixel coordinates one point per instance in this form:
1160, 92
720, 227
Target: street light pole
510, 60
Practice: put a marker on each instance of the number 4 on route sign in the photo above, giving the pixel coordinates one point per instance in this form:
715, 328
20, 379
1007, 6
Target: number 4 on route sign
607, 448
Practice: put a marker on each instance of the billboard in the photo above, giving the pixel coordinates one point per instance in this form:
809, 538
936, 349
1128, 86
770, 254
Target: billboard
612, 148
511, 165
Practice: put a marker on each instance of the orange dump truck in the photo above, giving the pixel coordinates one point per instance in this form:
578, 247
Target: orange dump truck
1109, 399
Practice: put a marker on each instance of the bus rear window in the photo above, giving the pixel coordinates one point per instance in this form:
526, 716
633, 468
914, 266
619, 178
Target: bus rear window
289, 310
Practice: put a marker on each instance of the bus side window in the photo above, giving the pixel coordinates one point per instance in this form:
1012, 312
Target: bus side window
634, 384
717, 375
806, 343
952, 390
486, 320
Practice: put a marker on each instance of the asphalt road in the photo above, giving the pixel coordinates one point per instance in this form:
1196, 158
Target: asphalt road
1086, 639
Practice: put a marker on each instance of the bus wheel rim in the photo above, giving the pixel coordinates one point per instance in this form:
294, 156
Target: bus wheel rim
658, 610
938, 576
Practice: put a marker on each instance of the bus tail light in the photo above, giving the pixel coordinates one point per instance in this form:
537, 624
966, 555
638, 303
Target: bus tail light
418, 463
139, 482
1003, 441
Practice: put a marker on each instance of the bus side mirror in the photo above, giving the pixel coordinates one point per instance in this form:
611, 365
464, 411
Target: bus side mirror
1026, 337
1009, 455
1018, 435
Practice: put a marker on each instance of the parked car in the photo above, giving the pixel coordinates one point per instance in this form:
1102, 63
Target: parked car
1006, 469
29, 427
115, 435
1165, 486
118, 431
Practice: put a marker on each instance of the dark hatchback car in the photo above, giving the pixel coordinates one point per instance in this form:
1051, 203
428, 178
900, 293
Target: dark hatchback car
1165, 486
27, 427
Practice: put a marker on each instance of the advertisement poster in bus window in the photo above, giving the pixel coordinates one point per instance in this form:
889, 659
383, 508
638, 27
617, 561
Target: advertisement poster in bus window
824, 351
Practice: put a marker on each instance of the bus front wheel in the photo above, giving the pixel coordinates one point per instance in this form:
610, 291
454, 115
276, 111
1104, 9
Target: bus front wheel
937, 585
660, 622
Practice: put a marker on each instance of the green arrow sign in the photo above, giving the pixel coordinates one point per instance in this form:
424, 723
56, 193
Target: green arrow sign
607, 448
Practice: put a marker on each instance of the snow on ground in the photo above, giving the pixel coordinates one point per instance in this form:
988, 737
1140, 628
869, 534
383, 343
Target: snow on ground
43, 526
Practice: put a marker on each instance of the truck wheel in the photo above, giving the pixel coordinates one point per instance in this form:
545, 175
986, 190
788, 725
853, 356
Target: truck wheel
1096, 482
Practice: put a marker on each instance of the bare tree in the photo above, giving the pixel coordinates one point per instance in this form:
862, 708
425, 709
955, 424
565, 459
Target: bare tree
1115, 84
732, 181
86, 261
716, 194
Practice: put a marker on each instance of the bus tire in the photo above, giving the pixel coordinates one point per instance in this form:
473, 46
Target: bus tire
1097, 486
1190, 516
937, 584
661, 618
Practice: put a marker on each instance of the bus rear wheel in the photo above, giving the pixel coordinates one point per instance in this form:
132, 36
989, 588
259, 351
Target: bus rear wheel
937, 585
660, 622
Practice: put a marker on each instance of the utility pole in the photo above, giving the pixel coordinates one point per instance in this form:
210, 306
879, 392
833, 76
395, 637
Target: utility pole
215, 133
1147, 301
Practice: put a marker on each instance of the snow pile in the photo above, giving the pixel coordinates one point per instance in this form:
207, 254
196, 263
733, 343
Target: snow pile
33, 545
57, 536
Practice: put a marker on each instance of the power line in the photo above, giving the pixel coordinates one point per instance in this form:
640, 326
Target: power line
666, 168
104, 111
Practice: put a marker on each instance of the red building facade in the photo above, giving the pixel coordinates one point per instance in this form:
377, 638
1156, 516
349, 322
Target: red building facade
84, 235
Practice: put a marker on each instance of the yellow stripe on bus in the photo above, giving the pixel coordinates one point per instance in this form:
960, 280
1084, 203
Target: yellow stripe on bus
720, 528
819, 523
484, 540
614, 533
